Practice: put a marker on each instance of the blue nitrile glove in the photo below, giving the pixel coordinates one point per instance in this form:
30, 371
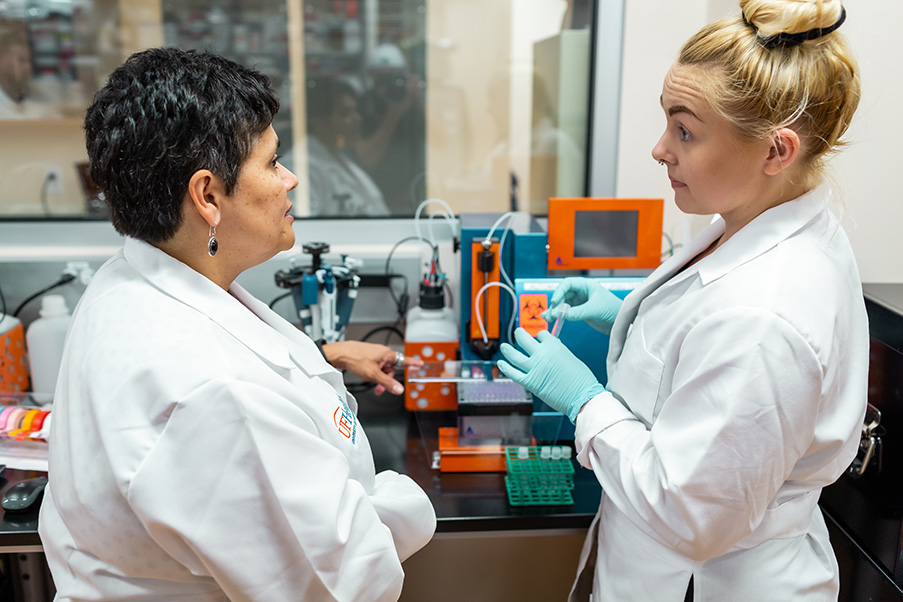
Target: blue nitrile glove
548, 369
589, 301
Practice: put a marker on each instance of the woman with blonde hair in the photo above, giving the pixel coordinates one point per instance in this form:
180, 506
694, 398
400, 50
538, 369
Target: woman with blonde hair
738, 370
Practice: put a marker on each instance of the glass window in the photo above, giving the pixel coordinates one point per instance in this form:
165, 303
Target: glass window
385, 103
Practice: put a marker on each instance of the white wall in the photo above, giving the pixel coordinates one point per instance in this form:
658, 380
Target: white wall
866, 171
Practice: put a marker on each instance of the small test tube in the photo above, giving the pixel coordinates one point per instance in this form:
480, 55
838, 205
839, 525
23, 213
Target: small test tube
559, 321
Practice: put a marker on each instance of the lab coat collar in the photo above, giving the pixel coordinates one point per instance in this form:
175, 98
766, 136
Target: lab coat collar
228, 309
761, 234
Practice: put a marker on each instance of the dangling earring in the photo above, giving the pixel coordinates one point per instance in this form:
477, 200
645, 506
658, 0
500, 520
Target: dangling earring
212, 244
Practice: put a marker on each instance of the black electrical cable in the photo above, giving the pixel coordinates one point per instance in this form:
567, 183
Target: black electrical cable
50, 177
2, 306
279, 298
390, 329
402, 308
401, 301
64, 279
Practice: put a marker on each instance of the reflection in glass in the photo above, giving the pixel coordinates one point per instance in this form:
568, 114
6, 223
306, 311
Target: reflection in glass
250, 33
479, 103
338, 185
51, 58
380, 53
507, 106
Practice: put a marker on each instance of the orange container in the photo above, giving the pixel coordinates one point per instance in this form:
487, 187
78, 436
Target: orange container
476, 458
13, 361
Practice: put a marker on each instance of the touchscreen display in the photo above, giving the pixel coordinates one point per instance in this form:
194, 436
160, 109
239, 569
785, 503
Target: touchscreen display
605, 233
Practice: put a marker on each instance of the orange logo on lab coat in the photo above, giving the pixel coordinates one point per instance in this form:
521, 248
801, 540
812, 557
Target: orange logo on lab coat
345, 421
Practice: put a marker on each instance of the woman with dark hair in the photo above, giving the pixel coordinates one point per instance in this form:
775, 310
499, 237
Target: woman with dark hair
338, 185
203, 447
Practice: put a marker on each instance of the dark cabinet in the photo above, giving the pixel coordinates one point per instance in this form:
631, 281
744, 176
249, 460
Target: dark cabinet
865, 513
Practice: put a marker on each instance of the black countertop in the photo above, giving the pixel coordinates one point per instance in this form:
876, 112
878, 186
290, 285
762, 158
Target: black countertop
479, 501
18, 531
464, 502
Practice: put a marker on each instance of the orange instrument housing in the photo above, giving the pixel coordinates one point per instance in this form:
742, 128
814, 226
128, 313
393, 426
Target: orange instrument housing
478, 458
605, 233
489, 299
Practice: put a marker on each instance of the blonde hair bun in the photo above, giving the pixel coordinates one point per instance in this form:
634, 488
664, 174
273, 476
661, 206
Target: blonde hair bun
773, 18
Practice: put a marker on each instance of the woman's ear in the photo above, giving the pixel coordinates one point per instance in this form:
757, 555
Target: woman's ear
206, 192
784, 150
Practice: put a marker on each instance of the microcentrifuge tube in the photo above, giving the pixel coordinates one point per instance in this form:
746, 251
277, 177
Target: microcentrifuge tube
545, 452
556, 453
523, 453
559, 321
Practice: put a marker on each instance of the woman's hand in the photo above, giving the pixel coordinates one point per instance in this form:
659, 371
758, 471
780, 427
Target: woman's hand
370, 362
549, 370
589, 301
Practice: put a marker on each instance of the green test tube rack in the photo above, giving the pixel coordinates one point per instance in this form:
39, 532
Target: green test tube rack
538, 477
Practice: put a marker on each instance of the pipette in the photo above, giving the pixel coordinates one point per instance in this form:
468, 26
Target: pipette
559, 321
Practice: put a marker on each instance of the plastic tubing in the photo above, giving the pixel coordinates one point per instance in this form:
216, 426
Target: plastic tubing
559, 321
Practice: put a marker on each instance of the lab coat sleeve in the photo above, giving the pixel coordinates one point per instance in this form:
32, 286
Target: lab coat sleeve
741, 412
241, 487
400, 503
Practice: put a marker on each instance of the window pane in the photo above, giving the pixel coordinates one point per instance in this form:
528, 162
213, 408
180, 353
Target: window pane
53, 56
250, 33
385, 103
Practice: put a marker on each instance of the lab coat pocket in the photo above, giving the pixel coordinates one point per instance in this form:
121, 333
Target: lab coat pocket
637, 377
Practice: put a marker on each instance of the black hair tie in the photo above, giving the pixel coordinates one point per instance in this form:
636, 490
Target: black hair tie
795, 39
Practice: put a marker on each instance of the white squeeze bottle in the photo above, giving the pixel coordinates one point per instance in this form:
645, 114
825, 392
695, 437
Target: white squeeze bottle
44, 342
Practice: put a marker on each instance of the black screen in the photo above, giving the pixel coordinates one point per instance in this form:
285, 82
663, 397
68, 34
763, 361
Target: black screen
605, 233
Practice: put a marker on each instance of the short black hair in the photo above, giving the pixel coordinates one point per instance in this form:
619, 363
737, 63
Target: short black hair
163, 115
323, 92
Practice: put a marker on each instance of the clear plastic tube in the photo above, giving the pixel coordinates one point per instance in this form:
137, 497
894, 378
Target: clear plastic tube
559, 321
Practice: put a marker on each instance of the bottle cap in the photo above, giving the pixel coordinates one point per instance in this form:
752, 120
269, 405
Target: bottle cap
431, 297
53, 305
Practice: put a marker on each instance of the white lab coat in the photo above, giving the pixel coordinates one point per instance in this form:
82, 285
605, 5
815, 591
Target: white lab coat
338, 186
737, 391
199, 451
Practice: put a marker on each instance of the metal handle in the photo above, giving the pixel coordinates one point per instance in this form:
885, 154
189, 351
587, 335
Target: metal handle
869, 443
